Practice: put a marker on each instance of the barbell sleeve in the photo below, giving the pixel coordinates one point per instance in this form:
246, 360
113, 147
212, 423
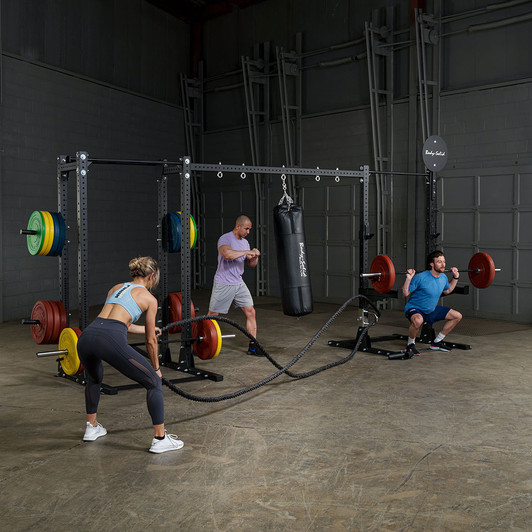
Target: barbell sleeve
30, 322
51, 353
28, 232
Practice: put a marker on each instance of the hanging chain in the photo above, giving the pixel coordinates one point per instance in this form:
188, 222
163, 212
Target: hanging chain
285, 196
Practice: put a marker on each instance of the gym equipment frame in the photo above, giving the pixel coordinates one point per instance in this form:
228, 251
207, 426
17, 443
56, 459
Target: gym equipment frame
184, 167
427, 332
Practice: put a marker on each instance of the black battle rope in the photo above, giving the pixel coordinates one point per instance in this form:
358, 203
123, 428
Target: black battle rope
281, 369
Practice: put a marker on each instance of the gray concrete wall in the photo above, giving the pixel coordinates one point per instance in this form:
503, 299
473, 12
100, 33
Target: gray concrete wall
485, 120
46, 113
127, 43
99, 77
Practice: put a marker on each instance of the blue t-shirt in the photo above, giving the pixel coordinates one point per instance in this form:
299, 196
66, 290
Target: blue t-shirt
229, 272
425, 291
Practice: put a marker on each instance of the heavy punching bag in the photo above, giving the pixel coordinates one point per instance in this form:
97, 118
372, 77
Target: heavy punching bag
292, 260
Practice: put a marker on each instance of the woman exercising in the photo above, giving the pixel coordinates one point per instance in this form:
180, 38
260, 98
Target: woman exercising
106, 339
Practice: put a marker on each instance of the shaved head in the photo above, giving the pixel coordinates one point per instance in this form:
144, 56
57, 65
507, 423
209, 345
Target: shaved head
242, 220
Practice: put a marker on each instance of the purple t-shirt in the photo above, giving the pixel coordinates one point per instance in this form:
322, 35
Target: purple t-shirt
229, 272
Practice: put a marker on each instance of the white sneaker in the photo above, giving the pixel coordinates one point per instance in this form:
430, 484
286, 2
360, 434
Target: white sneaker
170, 443
93, 433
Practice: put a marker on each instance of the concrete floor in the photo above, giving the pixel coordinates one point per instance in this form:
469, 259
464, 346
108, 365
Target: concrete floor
438, 442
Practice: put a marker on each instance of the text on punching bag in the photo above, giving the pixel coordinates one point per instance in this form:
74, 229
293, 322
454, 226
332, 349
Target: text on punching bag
302, 263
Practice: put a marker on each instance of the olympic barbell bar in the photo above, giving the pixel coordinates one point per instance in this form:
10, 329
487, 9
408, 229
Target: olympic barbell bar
177, 340
481, 271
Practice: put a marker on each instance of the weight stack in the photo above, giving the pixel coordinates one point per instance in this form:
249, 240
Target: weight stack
292, 260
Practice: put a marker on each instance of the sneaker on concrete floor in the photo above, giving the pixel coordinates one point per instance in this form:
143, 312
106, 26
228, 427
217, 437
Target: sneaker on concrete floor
170, 443
93, 433
411, 350
254, 350
442, 346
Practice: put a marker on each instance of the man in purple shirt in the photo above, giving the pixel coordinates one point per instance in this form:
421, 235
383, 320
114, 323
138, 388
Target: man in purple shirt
228, 286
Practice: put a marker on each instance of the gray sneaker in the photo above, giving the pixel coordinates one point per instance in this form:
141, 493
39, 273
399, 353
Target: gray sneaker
170, 443
93, 433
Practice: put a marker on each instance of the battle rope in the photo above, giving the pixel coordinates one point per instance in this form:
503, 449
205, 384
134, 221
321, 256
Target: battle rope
281, 369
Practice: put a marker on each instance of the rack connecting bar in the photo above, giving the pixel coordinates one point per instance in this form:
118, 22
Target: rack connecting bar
176, 166
132, 162
274, 170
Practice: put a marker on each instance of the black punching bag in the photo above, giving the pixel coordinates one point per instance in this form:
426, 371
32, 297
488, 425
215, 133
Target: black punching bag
292, 261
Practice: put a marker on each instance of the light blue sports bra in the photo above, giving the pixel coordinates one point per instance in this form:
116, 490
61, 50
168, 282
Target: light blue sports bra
123, 297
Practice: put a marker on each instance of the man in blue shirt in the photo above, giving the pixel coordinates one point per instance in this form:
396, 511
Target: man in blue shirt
424, 290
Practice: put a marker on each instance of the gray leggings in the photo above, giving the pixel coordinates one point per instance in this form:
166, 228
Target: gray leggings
106, 340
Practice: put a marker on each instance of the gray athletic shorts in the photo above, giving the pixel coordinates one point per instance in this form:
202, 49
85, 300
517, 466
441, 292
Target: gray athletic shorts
223, 295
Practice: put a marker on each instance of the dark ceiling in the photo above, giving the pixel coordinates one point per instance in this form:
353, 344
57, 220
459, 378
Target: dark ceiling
200, 10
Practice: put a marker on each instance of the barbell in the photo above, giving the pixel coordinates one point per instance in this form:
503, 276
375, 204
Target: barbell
206, 334
67, 352
45, 233
481, 271
206, 345
206, 339
48, 319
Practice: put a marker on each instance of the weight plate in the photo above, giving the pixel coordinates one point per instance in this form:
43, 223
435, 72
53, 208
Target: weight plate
219, 334
192, 229
176, 224
62, 232
50, 221
192, 234
484, 263
69, 341
35, 242
52, 320
41, 312
195, 230
55, 329
382, 264
52, 252
170, 234
435, 153
174, 302
60, 319
48, 233
59, 234
77, 330
211, 340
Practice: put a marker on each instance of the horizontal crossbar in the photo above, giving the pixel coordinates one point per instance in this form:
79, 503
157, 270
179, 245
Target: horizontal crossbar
234, 168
